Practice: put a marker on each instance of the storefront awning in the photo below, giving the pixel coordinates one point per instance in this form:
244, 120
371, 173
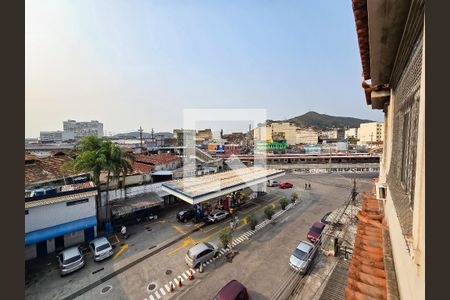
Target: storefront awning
59, 230
128, 206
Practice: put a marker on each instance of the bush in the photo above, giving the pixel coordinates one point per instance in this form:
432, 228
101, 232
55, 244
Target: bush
252, 221
283, 203
269, 211
225, 236
294, 197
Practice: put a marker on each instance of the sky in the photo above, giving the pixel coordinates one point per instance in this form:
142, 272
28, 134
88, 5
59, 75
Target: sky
141, 63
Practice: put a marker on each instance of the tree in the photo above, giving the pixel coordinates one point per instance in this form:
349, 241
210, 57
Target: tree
97, 155
294, 197
252, 221
269, 211
283, 203
225, 236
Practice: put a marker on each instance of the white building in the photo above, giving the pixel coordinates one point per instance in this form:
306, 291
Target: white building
351, 133
370, 132
59, 217
74, 130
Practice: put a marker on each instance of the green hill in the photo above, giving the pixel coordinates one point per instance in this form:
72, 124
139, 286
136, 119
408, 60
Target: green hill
323, 122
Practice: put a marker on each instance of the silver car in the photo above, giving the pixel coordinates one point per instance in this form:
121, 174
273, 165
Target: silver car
302, 257
70, 260
101, 248
217, 215
201, 253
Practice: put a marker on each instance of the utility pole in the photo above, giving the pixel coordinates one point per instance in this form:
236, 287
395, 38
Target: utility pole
140, 134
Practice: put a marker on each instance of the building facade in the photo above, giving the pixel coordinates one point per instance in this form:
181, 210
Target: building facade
369, 133
51, 136
394, 34
307, 137
74, 130
57, 218
351, 133
184, 137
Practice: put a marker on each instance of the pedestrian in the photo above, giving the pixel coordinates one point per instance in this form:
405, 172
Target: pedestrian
306, 186
309, 186
123, 231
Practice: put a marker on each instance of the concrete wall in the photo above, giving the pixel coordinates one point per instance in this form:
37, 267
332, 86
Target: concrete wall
58, 213
30, 252
409, 256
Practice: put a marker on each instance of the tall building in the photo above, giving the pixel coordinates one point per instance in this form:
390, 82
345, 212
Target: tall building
369, 133
392, 47
74, 130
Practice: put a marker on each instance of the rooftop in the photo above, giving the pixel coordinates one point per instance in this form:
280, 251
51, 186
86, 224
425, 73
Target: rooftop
218, 184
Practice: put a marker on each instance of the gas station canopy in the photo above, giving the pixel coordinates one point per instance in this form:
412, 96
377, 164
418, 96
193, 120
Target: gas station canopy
195, 190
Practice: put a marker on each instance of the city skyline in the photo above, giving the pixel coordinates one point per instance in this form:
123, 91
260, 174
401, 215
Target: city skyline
129, 65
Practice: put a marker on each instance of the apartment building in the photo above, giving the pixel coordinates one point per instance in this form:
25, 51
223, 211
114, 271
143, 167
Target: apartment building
369, 133
74, 130
307, 137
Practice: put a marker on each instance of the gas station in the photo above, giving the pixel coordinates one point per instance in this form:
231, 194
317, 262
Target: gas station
225, 190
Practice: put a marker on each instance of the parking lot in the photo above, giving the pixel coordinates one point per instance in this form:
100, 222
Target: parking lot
153, 255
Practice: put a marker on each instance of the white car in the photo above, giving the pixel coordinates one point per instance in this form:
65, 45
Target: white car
302, 257
101, 248
217, 216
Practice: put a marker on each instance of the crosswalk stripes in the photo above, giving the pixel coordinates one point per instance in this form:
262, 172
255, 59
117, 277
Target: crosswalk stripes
151, 297
167, 287
180, 278
192, 270
157, 295
184, 275
163, 292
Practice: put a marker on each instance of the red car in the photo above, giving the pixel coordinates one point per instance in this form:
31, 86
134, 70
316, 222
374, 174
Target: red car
233, 290
285, 185
315, 231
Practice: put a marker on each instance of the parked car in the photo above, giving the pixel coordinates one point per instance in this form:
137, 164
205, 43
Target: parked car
285, 185
201, 253
101, 248
325, 218
302, 257
315, 231
217, 216
70, 260
233, 290
186, 215
272, 183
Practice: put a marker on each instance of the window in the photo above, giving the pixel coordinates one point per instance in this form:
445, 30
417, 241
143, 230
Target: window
71, 203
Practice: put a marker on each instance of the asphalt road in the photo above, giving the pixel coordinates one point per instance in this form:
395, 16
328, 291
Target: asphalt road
261, 265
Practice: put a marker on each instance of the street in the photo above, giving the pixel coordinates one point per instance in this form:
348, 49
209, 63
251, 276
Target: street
145, 264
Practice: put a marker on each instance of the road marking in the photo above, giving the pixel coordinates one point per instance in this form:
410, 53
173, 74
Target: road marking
185, 243
157, 295
163, 292
181, 278
193, 271
162, 221
123, 248
151, 297
184, 275
222, 251
167, 287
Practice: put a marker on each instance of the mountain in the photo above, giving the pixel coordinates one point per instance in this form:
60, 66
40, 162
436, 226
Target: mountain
145, 135
323, 122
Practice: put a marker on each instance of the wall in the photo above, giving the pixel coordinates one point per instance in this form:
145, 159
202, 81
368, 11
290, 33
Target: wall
58, 213
409, 256
135, 191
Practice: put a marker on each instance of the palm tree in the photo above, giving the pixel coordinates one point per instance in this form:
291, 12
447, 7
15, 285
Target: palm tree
98, 155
